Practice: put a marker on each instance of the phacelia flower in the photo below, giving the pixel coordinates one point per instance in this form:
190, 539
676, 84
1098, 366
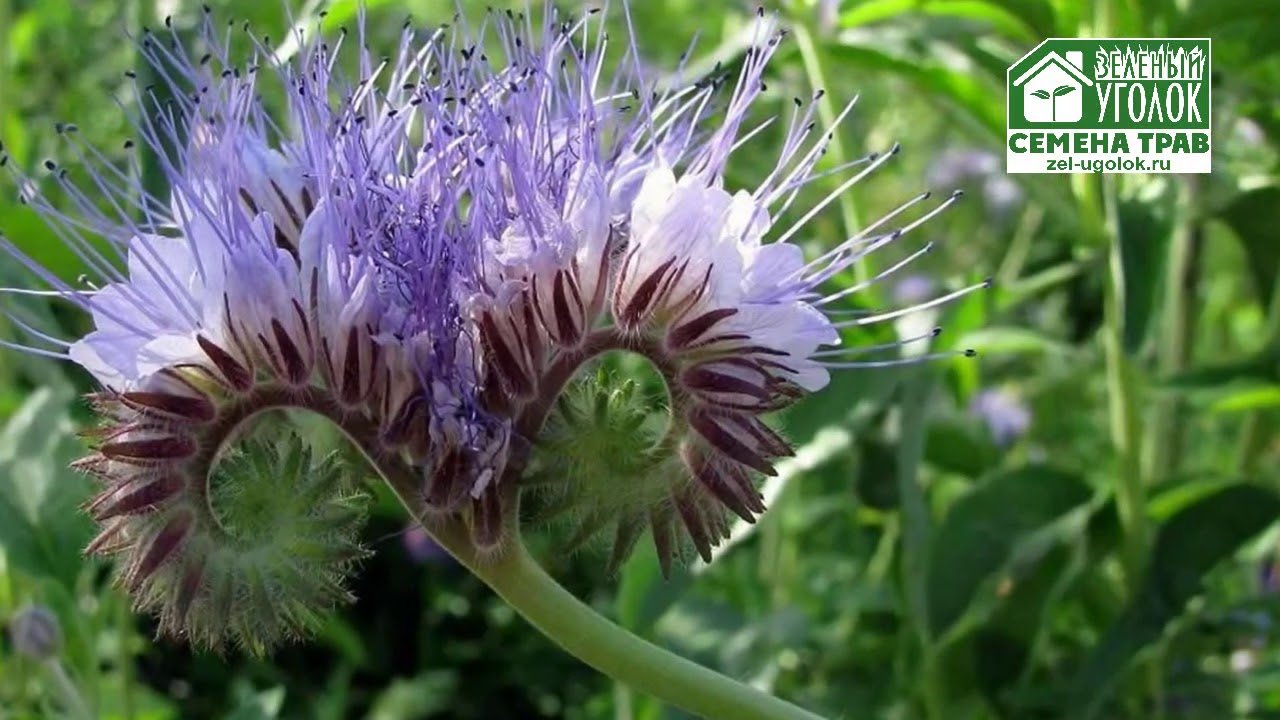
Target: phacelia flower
299, 261
35, 632
428, 256
1004, 413
606, 224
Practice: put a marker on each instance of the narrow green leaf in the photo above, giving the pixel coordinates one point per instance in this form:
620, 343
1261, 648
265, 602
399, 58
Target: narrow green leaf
983, 529
1026, 20
1254, 216
1261, 368
916, 523
1146, 224
960, 446
964, 90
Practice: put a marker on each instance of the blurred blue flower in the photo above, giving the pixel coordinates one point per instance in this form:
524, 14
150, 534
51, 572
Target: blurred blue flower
978, 169
35, 632
1004, 413
914, 289
422, 548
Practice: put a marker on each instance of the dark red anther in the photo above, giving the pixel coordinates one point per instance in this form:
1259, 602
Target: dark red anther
352, 390
694, 521
730, 445
641, 300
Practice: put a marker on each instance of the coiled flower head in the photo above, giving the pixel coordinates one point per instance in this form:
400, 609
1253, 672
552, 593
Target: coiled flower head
427, 257
607, 225
298, 262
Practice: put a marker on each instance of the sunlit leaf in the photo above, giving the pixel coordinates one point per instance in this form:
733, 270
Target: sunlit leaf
41, 527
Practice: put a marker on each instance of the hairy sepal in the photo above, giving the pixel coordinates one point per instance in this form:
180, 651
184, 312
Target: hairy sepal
245, 539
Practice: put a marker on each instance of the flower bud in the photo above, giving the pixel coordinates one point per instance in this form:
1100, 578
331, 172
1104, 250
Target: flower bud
35, 632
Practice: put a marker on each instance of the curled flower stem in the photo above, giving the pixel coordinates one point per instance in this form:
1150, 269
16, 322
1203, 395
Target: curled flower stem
590, 637
522, 583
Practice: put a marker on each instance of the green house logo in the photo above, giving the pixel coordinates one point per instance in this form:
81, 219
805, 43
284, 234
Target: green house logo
1111, 105
1053, 88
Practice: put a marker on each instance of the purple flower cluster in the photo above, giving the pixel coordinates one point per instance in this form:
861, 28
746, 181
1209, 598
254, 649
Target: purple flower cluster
434, 247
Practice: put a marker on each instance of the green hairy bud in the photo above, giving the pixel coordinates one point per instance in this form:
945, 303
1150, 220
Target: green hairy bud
602, 465
227, 526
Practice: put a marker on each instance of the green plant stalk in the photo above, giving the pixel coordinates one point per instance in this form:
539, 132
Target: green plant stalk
1165, 431
587, 635
811, 57
916, 530
1122, 396
124, 621
1254, 435
73, 702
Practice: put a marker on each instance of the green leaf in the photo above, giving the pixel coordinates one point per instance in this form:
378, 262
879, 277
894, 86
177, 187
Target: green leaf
959, 446
1008, 340
1027, 20
1146, 224
1042, 94
430, 694
839, 403
914, 509
876, 483
257, 705
1254, 216
643, 595
963, 89
42, 529
1265, 397
1063, 90
1260, 368
1193, 541
984, 528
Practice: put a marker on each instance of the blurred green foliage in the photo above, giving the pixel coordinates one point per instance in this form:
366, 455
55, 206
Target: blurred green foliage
1079, 523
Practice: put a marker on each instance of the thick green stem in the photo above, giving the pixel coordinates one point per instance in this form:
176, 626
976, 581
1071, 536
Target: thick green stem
1256, 432
584, 633
1164, 433
1122, 393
